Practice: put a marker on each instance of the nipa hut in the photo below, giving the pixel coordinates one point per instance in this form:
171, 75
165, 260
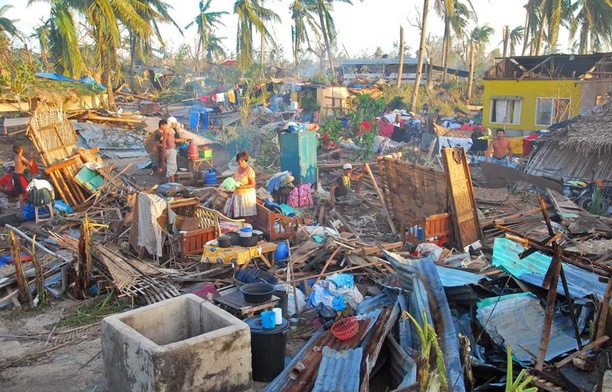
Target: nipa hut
582, 149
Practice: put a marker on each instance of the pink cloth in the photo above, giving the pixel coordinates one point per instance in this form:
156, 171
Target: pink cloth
386, 129
300, 196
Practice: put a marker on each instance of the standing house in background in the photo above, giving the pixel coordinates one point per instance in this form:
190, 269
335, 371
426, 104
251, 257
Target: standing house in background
530, 93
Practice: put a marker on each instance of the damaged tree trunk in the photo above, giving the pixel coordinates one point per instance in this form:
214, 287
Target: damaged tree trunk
84, 263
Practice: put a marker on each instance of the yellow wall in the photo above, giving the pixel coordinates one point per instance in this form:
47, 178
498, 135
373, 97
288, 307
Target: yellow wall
529, 91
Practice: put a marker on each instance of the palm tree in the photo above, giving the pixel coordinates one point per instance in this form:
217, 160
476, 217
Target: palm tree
206, 22
481, 36
152, 12
455, 16
7, 26
213, 48
592, 30
250, 14
63, 39
302, 16
515, 36
328, 27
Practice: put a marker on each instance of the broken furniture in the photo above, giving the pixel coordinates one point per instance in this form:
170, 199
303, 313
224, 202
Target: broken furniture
239, 256
180, 344
37, 213
275, 225
436, 228
233, 301
187, 177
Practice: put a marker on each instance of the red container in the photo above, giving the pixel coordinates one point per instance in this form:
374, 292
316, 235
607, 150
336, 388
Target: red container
345, 328
192, 151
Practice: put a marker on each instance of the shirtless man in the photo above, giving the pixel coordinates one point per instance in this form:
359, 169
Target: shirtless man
169, 151
18, 179
499, 149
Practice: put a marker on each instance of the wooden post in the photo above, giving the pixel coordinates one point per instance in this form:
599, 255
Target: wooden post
553, 271
22, 283
471, 76
382, 199
400, 71
419, 72
603, 312
40, 276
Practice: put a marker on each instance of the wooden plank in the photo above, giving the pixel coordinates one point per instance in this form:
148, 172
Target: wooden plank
463, 201
596, 343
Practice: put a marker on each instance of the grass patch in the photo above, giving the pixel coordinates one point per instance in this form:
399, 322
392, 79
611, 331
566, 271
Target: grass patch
94, 312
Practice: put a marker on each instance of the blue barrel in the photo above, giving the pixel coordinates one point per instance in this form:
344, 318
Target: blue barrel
211, 177
281, 252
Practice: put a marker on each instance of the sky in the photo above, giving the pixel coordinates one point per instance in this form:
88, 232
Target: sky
362, 27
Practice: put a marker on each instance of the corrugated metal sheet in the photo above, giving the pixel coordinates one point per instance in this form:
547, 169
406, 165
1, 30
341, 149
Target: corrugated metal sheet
451, 277
532, 269
109, 138
517, 320
403, 367
339, 371
432, 285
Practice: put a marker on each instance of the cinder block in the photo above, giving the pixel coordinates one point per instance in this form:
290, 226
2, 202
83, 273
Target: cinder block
181, 344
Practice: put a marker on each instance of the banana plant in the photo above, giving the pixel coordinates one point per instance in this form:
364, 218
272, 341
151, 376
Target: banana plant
521, 382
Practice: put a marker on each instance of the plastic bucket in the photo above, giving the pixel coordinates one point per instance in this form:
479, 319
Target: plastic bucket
281, 252
268, 319
246, 232
267, 348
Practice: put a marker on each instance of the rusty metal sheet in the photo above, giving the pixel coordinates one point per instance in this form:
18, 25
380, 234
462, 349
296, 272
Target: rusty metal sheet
463, 202
339, 370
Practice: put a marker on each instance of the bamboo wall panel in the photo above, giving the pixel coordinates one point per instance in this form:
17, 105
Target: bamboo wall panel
412, 192
53, 135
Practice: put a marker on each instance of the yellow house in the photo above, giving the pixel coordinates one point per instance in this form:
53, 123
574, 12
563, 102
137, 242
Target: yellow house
530, 93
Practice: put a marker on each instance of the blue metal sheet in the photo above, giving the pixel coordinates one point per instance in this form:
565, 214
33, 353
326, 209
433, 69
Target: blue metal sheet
517, 320
378, 301
451, 277
425, 271
339, 371
532, 269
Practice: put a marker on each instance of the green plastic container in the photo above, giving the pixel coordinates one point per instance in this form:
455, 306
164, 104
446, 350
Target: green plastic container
206, 153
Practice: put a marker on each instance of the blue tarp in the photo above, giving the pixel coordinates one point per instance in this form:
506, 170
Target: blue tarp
198, 117
532, 269
86, 80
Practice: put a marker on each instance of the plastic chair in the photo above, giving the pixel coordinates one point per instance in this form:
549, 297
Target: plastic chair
37, 215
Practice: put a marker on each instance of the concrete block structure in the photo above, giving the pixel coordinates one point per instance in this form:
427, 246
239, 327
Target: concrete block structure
181, 344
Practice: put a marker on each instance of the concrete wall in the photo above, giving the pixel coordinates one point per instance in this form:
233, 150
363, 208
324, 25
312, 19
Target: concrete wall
591, 89
181, 344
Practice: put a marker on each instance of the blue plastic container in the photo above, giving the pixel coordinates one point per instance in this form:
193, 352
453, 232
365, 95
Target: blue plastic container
281, 252
268, 319
210, 178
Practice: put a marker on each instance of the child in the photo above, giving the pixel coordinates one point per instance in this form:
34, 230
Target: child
18, 178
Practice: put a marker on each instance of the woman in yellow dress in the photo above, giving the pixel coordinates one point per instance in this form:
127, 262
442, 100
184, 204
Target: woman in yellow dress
245, 198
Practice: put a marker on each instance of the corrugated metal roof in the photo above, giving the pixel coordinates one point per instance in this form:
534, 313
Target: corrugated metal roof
451, 277
109, 138
517, 320
532, 269
432, 286
339, 371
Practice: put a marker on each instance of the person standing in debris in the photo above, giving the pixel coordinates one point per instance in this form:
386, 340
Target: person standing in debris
18, 178
157, 158
169, 152
174, 124
245, 197
499, 149
342, 185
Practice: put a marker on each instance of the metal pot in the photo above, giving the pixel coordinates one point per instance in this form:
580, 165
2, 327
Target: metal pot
259, 234
234, 237
224, 241
248, 241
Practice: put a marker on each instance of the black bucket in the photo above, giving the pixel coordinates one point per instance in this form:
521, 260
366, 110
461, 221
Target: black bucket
267, 349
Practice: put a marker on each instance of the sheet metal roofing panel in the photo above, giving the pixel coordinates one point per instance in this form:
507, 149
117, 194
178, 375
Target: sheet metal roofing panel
451, 277
517, 320
531, 269
339, 371
428, 274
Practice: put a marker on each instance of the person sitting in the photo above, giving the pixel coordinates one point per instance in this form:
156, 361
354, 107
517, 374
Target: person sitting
342, 185
6, 182
245, 197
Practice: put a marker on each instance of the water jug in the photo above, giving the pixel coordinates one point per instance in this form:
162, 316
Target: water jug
211, 177
282, 252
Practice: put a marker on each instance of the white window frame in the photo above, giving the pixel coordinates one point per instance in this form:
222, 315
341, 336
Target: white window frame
517, 117
553, 115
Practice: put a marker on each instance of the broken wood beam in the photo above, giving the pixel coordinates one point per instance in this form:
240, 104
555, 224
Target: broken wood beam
554, 270
22, 283
594, 344
382, 199
372, 250
603, 312
338, 272
37, 244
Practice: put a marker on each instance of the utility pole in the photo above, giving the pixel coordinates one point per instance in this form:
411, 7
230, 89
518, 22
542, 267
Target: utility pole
400, 71
471, 77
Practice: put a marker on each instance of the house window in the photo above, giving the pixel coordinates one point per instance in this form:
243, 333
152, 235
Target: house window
505, 110
552, 110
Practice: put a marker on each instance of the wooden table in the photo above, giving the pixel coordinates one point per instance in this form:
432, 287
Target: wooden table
239, 255
234, 302
194, 166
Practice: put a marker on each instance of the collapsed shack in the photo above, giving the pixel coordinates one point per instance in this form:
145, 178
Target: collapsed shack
442, 319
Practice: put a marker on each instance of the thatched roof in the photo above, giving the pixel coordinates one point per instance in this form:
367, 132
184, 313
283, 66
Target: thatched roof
588, 133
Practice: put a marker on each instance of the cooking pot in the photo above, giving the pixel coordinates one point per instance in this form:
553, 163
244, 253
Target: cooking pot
258, 234
224, 241
234, 237
248, 241
257, 292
